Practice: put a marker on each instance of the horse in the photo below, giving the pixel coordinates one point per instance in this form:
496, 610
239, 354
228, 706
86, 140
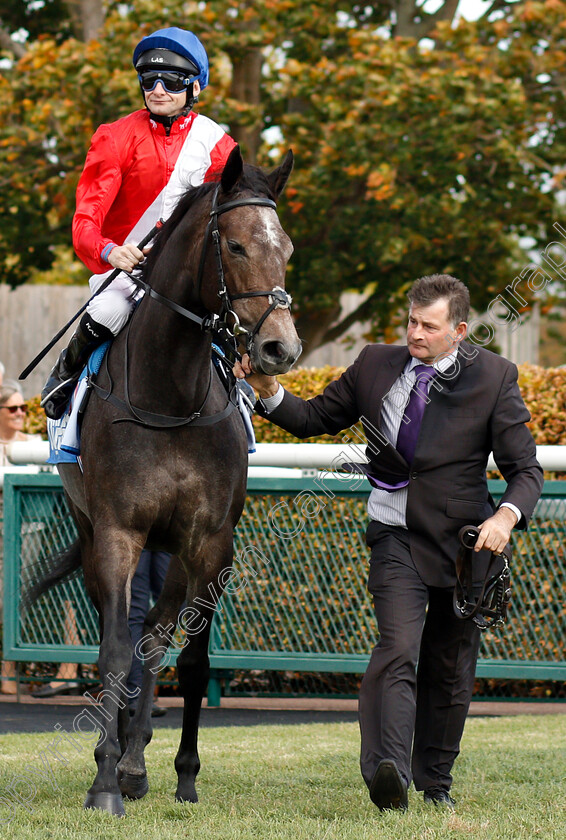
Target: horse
164, 453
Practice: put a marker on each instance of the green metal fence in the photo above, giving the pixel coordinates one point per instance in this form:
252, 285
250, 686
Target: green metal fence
297, 599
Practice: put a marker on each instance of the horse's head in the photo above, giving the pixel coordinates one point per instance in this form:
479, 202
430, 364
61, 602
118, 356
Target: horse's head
254, 251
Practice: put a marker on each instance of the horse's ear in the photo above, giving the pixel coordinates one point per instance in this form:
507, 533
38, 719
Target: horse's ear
232, 170
278, 178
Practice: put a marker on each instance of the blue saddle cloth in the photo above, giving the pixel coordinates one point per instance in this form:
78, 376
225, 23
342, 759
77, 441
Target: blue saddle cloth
64, 434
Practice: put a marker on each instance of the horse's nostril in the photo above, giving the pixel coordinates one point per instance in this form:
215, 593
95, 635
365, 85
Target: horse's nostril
276, 351
276, 356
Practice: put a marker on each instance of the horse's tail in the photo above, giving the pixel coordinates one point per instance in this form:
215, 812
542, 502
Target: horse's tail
55, 569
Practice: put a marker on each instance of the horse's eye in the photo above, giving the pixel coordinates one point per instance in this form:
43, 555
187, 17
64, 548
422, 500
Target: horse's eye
235, 247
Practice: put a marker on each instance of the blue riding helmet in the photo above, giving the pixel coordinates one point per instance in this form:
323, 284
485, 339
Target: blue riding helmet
176, 44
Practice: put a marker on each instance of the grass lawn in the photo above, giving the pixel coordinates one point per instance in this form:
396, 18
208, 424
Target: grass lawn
295, 783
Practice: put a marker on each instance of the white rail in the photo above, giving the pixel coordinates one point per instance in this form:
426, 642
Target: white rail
290, 455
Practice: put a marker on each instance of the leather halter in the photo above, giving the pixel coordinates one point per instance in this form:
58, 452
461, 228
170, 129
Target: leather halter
217, 324
487, 604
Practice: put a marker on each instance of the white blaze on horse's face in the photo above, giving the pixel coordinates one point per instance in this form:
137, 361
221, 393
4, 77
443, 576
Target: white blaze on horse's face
275, 347
274, 234
273, 240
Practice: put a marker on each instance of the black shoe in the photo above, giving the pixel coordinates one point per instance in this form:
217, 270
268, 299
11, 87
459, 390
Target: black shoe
440, 797
158, 711
387, 789
59, 388
58, 391
52, 690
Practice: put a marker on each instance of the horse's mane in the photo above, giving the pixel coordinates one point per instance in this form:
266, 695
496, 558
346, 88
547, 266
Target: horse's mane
252, 179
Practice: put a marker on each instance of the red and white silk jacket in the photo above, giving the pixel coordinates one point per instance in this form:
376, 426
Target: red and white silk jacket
122, 190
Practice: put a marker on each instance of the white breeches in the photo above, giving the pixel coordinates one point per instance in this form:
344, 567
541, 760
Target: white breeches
112, 307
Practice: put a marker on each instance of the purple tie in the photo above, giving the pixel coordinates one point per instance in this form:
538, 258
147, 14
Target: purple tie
412, 418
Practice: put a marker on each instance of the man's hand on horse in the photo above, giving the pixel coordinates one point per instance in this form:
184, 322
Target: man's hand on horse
126, 257
266, 386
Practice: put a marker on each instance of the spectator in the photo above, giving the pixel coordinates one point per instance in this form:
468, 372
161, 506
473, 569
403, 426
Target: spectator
13, 410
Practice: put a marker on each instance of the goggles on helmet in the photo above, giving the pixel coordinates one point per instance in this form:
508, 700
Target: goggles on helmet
173, 82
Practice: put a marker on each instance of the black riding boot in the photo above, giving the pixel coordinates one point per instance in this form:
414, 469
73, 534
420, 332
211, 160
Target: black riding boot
63, 378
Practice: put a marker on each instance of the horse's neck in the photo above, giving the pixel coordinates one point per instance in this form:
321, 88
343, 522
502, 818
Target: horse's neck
169, 361
170, 355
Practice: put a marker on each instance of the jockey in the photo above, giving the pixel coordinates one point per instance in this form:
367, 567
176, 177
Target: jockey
135, 172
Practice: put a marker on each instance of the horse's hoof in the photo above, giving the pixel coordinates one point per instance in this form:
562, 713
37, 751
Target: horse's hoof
112, 803
187, 793
133, 787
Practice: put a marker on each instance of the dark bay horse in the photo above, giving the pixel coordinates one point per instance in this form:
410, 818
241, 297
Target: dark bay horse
164, 456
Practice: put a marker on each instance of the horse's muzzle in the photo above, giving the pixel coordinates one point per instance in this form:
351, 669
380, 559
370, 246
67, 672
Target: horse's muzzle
274, 356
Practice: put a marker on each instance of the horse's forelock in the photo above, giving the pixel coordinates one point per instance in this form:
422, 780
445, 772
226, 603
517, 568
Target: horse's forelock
254, 179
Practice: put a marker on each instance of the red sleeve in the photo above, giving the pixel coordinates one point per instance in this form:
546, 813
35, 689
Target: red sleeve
218, 157
97, 188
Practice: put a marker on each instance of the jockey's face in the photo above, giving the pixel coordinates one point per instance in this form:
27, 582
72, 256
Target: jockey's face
165, 104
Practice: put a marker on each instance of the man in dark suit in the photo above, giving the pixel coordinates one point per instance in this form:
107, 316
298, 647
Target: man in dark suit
428, 477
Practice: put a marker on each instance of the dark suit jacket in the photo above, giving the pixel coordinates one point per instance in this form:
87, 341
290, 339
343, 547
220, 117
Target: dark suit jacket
475, 408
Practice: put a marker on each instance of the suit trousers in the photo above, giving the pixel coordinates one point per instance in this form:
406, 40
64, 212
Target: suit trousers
147, 584
416, 692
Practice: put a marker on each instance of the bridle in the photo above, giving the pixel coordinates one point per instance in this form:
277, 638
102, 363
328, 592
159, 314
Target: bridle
218, 323
279, 298
224, 334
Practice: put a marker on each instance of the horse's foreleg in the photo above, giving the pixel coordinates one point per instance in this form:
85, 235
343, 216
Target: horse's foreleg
193, 670
114, 664
158, 631
193, 664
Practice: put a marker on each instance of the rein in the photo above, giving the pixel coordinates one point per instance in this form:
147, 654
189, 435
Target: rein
217, 324
160, 421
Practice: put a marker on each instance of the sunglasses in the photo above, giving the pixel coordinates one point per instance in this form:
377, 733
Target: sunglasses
13, 408
171, 81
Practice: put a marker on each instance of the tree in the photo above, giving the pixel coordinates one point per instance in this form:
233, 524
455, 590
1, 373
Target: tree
413, 162
52, 100
57, 18
411, 157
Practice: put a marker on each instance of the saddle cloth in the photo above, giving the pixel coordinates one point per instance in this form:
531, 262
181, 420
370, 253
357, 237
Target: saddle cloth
64, 434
